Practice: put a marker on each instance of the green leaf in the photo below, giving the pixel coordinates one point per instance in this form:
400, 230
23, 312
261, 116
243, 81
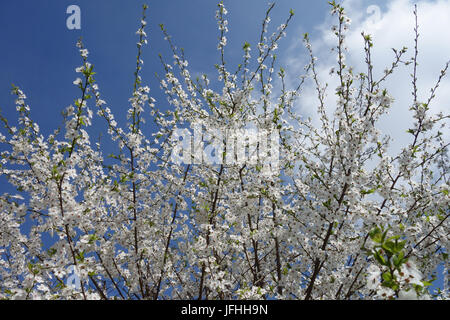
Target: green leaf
275, 115
387, 276
393, 238
379, 258
389, 247
51, 251
93, 238
375, 235
400, 245
383, 237
427, 283
327, 204
364, 192
80, 256
399, 259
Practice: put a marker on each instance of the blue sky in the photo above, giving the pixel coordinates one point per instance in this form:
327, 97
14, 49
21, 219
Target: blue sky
39, 53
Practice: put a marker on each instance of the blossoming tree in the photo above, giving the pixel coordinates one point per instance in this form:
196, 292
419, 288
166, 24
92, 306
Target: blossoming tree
333, 216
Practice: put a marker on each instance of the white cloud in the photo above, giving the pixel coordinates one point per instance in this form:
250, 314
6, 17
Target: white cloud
390, 28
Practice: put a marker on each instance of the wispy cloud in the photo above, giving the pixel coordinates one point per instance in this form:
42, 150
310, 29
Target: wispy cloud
390, 27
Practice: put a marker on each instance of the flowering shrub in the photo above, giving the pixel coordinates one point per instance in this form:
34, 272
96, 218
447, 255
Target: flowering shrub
340, 218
